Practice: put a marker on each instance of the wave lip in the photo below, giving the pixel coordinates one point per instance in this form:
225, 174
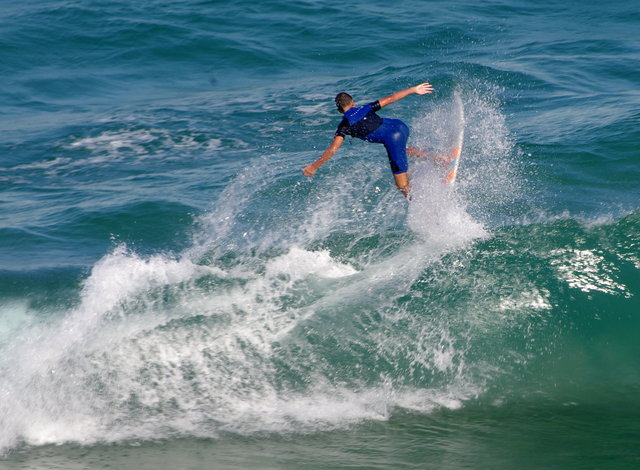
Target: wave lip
163, 347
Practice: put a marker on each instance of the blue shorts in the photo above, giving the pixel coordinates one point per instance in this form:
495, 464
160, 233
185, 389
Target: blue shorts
393, 133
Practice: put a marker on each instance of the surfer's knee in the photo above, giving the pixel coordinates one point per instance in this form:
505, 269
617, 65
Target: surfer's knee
398, 160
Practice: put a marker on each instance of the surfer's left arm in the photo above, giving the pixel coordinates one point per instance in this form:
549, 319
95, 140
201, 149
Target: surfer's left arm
311, 169
421, 89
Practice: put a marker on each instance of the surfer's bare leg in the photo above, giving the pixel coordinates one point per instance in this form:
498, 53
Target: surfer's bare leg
441, 159
419, 153
416, 152
447, 158
402, 183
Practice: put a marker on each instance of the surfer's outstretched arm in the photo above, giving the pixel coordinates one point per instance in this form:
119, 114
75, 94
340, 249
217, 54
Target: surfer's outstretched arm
311, 169
421, 89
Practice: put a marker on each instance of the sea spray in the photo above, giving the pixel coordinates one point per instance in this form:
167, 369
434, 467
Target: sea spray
489, 178
260, 325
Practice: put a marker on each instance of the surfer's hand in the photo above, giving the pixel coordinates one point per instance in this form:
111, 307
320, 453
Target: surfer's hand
423, 88
309, 170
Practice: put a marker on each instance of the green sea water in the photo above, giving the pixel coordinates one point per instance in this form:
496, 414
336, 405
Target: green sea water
175, 294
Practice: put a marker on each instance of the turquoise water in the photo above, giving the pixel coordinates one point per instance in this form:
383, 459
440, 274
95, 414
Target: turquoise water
175, 294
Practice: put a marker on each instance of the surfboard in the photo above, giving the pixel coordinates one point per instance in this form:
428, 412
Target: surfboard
455, 140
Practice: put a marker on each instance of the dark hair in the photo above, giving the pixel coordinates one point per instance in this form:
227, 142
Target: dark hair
343, 100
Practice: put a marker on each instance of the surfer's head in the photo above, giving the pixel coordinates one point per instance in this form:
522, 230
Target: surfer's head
343, 102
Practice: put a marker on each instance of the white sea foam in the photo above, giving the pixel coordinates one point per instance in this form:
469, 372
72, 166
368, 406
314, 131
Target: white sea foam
588, 271
128, 144
136, 141
44, 164
119, 367
61, 376
299, 263
14, 316
437, 213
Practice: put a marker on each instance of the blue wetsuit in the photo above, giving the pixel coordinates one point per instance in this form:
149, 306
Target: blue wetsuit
364, 123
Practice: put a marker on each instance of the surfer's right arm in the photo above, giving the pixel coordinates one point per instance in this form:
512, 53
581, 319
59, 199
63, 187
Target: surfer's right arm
311, 169
421, 89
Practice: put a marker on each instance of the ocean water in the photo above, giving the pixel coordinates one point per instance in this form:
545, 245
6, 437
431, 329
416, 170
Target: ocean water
175, 294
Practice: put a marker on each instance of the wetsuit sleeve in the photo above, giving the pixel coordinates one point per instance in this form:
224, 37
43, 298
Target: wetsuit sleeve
343, 127
375, 106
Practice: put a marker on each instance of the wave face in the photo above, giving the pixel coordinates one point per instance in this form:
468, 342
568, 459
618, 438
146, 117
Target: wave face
167, 275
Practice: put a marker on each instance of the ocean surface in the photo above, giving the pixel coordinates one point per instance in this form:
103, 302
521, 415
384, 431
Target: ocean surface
175, 294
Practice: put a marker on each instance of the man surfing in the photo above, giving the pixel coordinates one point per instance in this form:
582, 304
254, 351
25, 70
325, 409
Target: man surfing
364, 123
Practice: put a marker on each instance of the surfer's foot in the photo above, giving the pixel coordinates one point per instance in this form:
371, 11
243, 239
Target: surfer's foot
402, 183
416, 152
446, 159
442, 160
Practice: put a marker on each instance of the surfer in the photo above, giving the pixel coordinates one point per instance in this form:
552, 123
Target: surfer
364, 123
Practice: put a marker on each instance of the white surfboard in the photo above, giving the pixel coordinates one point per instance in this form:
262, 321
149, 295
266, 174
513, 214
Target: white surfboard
455, 140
